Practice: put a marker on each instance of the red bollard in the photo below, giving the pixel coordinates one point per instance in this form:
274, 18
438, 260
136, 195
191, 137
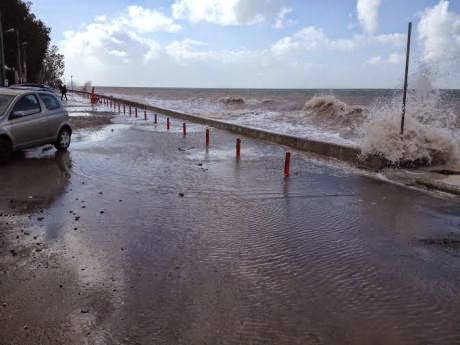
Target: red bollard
184, 129
287, 164
135, 112
207, 136
145, 114
155, 120
238, 148
167, 124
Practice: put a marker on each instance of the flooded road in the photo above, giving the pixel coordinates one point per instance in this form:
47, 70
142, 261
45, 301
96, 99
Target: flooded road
142, 236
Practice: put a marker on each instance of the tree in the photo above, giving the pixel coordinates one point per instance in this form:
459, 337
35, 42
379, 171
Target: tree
52, 67
16, 15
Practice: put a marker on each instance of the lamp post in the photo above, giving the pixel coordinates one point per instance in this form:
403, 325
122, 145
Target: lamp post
18, 55
24, 62
2, 55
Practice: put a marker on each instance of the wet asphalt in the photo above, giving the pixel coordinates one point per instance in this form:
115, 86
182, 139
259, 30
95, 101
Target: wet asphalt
139, 235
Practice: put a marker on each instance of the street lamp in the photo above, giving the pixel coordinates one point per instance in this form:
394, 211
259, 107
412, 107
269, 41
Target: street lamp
18, 57
24, 61
2, 55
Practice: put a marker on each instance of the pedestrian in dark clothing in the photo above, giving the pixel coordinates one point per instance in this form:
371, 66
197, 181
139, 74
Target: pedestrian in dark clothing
63, 92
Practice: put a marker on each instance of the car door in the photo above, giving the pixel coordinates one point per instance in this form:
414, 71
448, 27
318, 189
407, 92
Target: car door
54, 114
27, 122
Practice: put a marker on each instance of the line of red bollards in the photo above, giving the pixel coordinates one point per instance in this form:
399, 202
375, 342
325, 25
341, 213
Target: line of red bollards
113, 105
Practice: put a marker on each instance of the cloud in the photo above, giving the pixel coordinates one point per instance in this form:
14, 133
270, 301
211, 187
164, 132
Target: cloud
368, 14
393, 39
103, 44
392, 59
119, 53
226, 12
281, 17
375, 60
439, 33
145, 20
396, 59
101, 18
185, 51
309, 39
191, 51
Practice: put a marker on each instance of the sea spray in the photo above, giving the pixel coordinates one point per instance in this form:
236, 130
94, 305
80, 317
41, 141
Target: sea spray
87, 86
422, 143
431, 134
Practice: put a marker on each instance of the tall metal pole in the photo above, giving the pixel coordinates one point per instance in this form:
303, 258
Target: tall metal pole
2, 55
24, 62
18, 47
409, 31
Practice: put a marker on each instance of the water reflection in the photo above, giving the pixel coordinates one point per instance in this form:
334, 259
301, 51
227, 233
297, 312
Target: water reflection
34, 179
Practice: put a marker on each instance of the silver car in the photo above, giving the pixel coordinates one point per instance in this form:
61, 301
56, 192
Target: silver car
30, 118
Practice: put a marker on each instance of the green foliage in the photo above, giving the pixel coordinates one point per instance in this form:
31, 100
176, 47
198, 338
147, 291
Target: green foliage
53, 67
16, 14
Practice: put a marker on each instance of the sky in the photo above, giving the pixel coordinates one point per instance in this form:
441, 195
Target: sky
254, 43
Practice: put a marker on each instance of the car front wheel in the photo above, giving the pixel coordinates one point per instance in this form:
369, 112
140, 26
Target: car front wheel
6, 149
63, 139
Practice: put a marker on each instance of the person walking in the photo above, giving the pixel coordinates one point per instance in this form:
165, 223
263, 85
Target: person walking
63, 92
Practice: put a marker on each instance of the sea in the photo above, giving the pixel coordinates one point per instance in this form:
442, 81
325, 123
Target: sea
365, 118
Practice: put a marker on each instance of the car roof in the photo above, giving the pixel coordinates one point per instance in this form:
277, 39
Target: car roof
17, 91
33, 88
31, 85
13, 91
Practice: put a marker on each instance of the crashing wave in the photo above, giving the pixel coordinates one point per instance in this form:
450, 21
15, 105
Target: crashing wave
428, 138
232, 101
333, 112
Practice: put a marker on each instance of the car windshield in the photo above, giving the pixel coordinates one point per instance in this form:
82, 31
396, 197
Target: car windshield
5, 101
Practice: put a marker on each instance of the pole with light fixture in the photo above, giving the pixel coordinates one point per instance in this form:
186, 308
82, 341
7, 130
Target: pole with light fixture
18, 54
24, 62
2, 55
